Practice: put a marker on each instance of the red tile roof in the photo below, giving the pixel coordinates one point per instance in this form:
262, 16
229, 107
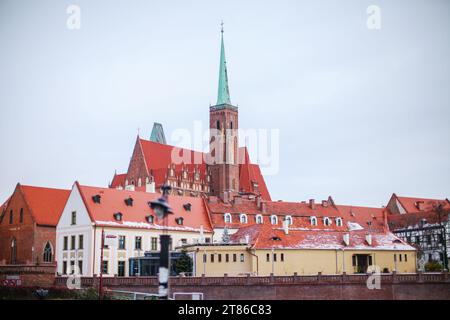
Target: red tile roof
118, 180
113, 201
45, 204
365, 215
266, 237
250, 174
411, 205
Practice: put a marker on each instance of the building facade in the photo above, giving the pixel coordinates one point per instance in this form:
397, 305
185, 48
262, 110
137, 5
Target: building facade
28, 225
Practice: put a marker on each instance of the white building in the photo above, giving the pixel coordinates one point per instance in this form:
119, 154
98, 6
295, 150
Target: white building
130, 227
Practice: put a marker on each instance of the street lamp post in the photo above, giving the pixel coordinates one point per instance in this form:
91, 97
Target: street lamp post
162, 209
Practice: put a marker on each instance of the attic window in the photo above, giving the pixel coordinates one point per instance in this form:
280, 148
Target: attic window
187, 206
96, 198
313, 221
339, 222
179, 221
118, 216
129, 201
327, 221
150, 218
275, 238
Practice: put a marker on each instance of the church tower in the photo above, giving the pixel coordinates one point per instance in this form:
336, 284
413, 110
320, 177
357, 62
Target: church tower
223, 125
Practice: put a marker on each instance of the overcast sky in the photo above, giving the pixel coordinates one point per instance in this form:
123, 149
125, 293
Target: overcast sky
362, 113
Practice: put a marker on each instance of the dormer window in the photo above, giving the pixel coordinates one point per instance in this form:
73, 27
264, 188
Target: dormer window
129, 201
187, 206
313, 221
227, 218
259, 219
179, 221
273, 219
289, 220
96, 198
150, 218
118, 216
275, 238
243, 218
327, 221
339, 222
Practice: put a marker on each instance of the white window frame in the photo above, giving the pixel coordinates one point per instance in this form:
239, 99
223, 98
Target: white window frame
327, 221
272, 218
243, 218
313, 220
339, 221
289, 218
259, 219
227, 218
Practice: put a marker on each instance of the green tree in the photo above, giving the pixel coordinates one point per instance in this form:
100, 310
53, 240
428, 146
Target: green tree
184, 263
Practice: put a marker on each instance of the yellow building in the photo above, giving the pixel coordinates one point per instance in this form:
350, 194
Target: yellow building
262, 250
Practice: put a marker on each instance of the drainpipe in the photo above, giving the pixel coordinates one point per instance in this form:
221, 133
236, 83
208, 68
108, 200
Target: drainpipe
257, 267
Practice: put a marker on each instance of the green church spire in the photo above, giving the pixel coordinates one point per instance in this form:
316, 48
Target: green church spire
223, 96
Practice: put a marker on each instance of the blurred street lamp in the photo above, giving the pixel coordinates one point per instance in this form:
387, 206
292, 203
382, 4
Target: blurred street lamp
162, 210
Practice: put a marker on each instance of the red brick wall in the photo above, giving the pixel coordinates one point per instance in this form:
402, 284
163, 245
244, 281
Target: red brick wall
23, 232
27, 235
137, 168
41, 276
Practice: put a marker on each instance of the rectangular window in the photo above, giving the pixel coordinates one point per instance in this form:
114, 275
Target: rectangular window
212, 257
138, 243
121, 242
11, 217
80, 267
406, 258
154, 244
72, 267
21, 215
234, 257
207, 240
183, 241
65, 243
220, 257
64, 270
74, 218
227, 257
268, 257
400, 256
204, 258
242, 257
275, 257
395, 258
72, 243
80, 241
282, 257
105, 267
121, 269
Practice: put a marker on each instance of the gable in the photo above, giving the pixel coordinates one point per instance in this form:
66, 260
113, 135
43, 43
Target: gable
76, 204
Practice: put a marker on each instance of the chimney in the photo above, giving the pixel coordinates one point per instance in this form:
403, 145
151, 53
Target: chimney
225, 197
286, 226
150, 187
258, 202
369, 239
247, 238
312, 204
346, 239
263, 207
324, 203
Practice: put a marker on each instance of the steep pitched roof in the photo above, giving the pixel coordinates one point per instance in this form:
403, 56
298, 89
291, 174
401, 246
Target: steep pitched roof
113, 201
264, 237
45, 204
251, 174
118, 180
411, 204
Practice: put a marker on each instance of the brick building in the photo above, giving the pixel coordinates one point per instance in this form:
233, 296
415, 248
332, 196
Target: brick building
224, 171
28, 225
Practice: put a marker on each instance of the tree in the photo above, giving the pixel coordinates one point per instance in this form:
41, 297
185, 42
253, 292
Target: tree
184, 263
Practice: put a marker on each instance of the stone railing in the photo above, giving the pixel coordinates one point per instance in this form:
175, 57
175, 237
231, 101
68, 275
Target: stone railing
318, 279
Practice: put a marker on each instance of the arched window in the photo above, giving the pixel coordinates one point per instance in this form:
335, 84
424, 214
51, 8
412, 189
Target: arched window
313, 221
259, 219
231, 125
48, 253
243, 218
218, 125
227, 218
327, 221
13, 251
273, 219
339, 222
289, 220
